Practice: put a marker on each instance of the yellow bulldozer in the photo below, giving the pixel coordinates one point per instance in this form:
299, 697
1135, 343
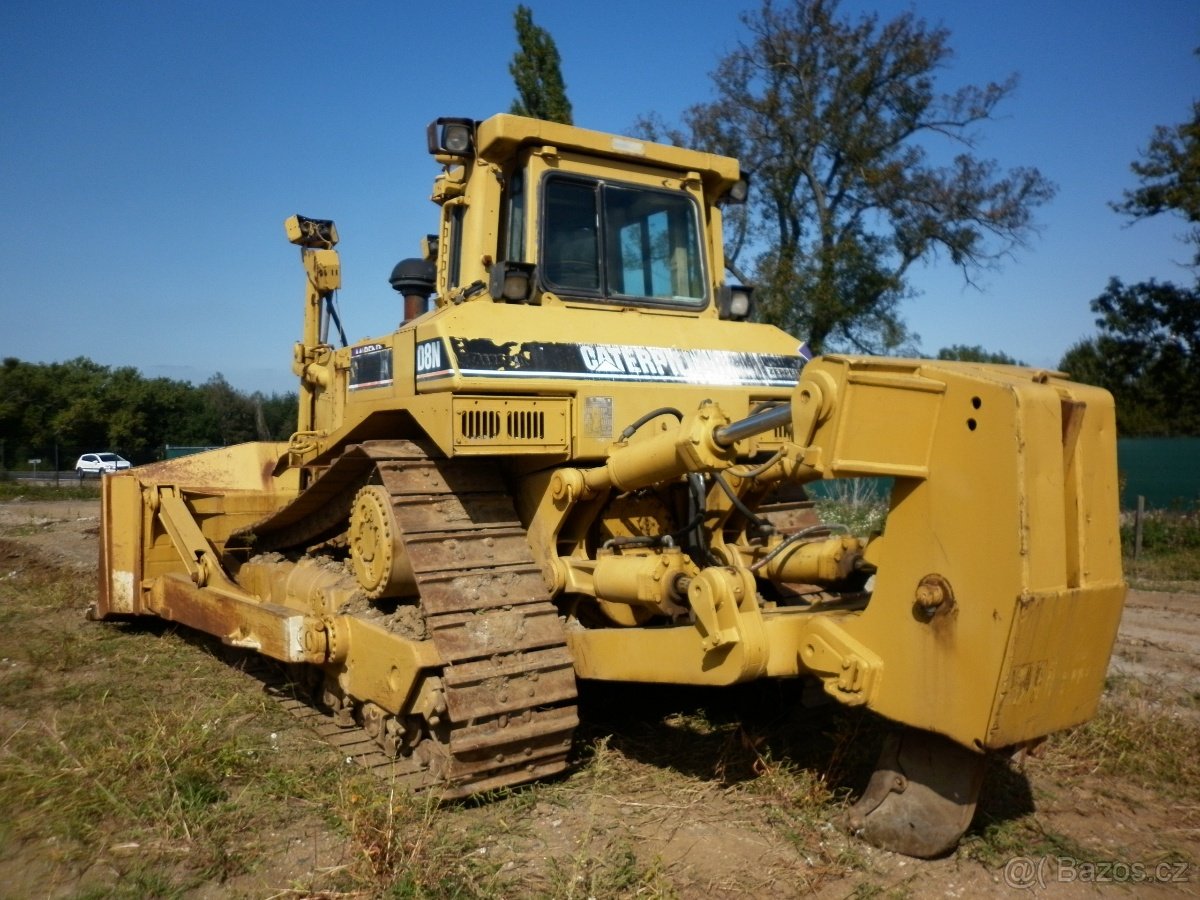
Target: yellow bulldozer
576, 458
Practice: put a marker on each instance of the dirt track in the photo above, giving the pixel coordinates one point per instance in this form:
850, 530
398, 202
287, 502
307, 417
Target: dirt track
1160, 639
708, 837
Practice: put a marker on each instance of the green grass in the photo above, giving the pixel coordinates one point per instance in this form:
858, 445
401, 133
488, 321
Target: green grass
1139, 734
860, 504
401, 849
1170, 549
153, 768
614, 871
1138, 738
69, 488
125, 744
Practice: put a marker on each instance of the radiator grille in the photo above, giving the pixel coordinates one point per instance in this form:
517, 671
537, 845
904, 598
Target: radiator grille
512, 424
479, 424
527, 425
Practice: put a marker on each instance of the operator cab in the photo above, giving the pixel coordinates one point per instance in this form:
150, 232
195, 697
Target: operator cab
585, 218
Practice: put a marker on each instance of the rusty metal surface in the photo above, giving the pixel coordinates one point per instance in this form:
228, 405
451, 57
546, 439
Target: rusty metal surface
324, 504
247, 467
509, 682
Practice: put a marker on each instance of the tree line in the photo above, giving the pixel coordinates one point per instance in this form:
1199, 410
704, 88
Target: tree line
65, 409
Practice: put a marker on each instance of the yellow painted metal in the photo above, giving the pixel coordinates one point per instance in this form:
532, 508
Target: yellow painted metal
990, 497
816, 562
631, 588
998, 590
376, 665
381, 666
997, 586
689, 448
306, 232
650, 580
591, 435
312, 357
728, 642
382, 569
491, 425
281, 611
1054, 663
226, 488
819, 645
121, 547
195, 552
240, 468
307, 585
471, 195
747, 643
501, 137
239, 620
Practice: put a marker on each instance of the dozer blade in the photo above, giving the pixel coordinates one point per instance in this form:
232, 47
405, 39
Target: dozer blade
921, 797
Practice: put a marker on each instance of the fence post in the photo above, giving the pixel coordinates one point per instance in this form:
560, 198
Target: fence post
1137, 527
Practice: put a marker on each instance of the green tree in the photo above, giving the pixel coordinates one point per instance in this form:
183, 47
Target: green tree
976, 353
1147, 355
228, 415
279, 413
26, 402
79, 405
1170, 178
829, 115
537, 71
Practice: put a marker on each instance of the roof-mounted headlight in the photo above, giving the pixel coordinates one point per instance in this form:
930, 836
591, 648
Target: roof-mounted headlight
318, 233
451, 137
739, 191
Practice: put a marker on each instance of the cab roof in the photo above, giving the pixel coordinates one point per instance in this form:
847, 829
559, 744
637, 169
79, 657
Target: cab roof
501, 136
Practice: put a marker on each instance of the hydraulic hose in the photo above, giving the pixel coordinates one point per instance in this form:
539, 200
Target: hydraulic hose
653, 414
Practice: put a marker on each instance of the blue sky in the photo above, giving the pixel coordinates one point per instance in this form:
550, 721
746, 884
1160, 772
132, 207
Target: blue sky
150, 151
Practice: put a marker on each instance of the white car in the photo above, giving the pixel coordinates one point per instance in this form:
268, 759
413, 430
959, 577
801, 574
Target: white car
99, 463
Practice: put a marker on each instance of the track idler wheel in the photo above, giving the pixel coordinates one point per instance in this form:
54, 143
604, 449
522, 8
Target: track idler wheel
381, 566
921, 797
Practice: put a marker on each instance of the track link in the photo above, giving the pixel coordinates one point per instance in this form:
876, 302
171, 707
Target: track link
508, 679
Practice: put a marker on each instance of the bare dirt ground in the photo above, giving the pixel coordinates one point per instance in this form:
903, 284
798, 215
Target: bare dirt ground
710, 842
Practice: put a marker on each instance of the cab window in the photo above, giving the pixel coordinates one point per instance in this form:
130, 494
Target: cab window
620, 243
515, 217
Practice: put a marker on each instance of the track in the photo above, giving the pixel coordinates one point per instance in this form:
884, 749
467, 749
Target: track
508, 681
